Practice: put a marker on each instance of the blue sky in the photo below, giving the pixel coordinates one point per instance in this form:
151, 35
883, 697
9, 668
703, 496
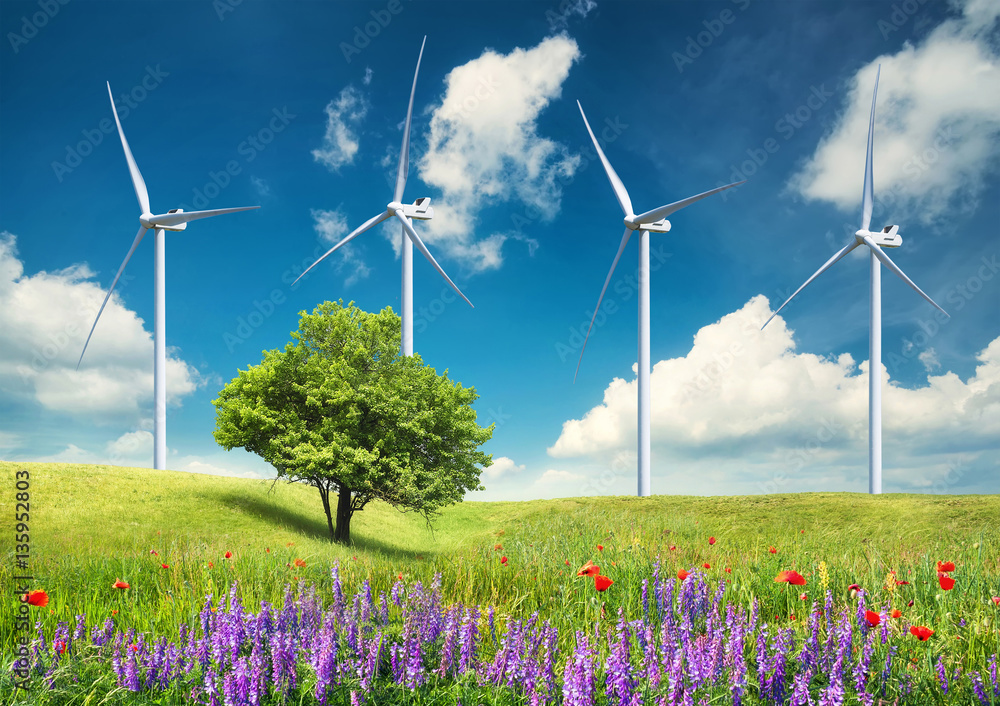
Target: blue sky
298, 107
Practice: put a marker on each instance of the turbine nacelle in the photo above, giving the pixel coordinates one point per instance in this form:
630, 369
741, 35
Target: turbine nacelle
888, 237
148, 220
660, 226
419, 210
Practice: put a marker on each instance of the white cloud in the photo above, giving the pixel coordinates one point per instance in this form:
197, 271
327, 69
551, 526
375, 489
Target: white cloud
936, 126
746, 397
332, 227
340, 143
502, 467
134, 448
484, 147
368, 76
213, 467
568, 9
262, 187
44, 322
929, 359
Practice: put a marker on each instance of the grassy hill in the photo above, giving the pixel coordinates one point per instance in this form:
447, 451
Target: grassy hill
167, 533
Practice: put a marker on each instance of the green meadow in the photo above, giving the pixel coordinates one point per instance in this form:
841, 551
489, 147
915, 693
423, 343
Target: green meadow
167, 534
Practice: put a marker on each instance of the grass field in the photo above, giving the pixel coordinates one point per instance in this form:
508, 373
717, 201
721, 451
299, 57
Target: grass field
92, 525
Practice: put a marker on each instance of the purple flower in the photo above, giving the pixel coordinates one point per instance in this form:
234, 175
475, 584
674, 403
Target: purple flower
942, 677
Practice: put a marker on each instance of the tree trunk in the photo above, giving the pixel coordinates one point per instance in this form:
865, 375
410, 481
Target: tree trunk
324, 494
344, 512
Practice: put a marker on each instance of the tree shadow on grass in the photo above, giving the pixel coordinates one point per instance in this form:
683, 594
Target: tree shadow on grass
315, 526
283, 518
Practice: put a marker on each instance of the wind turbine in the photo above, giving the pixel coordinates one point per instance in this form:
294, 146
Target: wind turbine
654, 221
174, 220
419, 210
888, 237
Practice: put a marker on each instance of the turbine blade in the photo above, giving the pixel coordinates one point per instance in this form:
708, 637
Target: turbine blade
621, 248
664, 211
364, 226
884, 259
430, 258
868, 197
133, 168
404, 153
135, 244
623, 200
173, 219
827, 265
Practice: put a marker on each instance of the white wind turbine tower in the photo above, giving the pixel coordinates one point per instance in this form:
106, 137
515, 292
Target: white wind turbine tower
419, 210
654, 221
888, 237
173, 220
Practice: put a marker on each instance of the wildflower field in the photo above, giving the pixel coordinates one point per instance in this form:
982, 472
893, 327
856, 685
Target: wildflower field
159, 587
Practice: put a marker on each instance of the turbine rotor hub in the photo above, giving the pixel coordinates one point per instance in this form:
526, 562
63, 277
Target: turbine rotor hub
145, 222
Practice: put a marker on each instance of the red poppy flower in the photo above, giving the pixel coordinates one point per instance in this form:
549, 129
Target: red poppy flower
672, 547
803, 596
682, 574
707, 565
946, 581
791, 617
792, 577
114, 612
400, 577
772, 550
354, 558
996, 600
921, 632
910, 604
36, 598
497, 547
896, 614
267, 549
601, 583
290, 544
853, 590
802, 531
165, 566
135, 647
503, 560
600, 547
120, 584
300, 563
589, 569
728, 570
873, 618
711, 540
567, 562
946, 566
153, 552
228, 555
902, 583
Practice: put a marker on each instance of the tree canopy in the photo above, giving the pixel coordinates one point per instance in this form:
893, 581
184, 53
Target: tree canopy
341, 409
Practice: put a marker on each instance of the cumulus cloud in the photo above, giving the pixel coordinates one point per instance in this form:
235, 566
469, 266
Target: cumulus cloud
484, 147
331, 226
746, 395
340, 143
44, 322
502, 467
936, 125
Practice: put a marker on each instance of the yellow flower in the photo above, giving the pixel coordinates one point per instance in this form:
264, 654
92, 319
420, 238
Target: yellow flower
824, 577
890, 582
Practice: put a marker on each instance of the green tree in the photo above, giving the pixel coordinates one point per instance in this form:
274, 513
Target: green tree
342, 410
